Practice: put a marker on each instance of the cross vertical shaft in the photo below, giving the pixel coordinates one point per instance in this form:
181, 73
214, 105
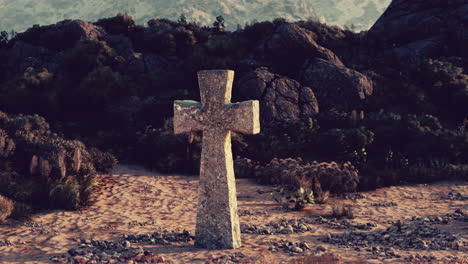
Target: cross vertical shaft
217, 219
217, 224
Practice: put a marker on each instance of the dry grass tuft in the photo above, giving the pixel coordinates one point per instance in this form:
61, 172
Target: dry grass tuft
6, 208
341, 210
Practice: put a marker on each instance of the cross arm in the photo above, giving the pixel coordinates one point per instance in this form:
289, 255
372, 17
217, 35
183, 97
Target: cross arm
185, 116
246, 117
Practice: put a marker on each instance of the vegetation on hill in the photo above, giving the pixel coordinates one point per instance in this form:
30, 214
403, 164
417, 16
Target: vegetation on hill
112, 84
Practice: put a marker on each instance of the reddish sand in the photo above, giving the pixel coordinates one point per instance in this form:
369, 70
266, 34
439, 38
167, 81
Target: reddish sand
141, 201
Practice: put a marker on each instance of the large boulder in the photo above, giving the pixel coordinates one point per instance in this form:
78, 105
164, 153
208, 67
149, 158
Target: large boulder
62, 35
281, 98
295, 44
335, 86
423, 28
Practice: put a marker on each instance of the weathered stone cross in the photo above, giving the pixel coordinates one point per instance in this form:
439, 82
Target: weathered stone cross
217, 219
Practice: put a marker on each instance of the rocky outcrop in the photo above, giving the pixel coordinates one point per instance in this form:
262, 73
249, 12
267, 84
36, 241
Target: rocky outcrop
121, 44
335, 86
23, 55
423, 28
62, 35
293, 42
281, 98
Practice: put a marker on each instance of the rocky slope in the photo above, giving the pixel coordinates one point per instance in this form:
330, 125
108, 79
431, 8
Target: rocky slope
114, 81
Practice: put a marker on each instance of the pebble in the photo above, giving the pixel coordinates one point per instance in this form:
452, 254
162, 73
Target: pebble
95, 251
293, 248
390, 204
415, 233
282, 226
235, 258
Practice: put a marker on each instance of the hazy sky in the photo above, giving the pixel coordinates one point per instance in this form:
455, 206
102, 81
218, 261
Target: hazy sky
19, 15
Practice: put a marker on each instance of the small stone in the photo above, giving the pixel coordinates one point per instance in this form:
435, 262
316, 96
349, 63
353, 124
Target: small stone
80, 260
72, 252
457, 244
127, 244
304, 245
296, 249
321, 248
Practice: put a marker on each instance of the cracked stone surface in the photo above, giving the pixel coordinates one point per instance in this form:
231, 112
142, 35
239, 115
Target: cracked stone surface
281, 98
217, 218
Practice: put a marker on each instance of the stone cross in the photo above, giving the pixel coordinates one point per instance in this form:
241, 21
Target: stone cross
217, 219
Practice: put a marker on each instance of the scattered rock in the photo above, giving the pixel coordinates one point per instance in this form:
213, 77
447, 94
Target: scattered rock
283, 226
251, 213
418, 258
454, 196
237, 257
390, 204
353, 196
126, 248
293, 248
415, 234
344, 224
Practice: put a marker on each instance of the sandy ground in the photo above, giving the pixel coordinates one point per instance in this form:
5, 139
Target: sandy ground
141, 201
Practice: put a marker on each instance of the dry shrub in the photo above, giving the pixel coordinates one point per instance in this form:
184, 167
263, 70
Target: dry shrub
321, 196
21, 210
331, 176
337, 178
341, 210
6, 208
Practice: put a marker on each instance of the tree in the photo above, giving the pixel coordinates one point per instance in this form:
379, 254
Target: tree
182, 19
3, 38
219, 24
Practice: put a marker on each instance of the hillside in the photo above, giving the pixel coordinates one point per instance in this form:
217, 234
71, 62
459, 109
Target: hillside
336, 12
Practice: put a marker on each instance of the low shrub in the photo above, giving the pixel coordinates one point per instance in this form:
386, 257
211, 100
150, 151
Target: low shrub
161, 150
6, 208
244, 167
103, 161
341, 210
336, 177
46, 170
294, 197
333, 177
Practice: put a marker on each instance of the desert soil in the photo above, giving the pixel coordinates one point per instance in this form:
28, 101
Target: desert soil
139, 201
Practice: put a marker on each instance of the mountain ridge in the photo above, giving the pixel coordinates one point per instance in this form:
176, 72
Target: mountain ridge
357, 13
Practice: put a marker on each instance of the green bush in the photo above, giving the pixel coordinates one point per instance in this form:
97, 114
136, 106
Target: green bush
31, 91
283, 139
160, 149
65, 195
87, 55
337, 141
45, 170
102, 161
101, 87
258, 30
